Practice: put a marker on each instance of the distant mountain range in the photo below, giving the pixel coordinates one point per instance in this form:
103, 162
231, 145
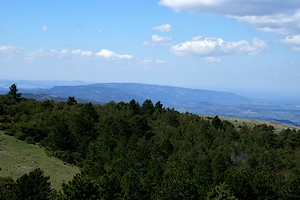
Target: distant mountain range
196, 101
170, 96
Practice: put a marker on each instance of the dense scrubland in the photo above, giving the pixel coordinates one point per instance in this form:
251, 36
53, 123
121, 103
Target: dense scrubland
132, 151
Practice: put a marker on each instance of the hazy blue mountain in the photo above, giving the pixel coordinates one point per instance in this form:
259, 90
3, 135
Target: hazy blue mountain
197, 101
170, 96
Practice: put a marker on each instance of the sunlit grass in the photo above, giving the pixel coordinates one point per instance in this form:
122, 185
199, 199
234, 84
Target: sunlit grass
18, 157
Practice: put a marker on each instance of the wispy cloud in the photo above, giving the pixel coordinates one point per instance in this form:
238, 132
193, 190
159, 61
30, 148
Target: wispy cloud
31, 56
211, 59
163, 28
277, 23
108, 54
64, 51
148, 61
157, 38
212, 48
9, 49
81, 52
71, 52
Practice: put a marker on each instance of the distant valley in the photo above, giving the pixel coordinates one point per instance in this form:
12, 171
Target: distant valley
204, 102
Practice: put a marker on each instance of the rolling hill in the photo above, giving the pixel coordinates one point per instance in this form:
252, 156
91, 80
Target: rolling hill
197, 101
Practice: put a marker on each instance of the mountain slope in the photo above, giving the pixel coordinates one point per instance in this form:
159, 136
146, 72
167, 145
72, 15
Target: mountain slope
17, 158
127, 91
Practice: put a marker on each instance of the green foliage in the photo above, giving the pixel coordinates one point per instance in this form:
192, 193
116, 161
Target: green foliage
35, 185
128, 151
7, 187
71, 101
81, 187
177, 184
220, 192
13, 92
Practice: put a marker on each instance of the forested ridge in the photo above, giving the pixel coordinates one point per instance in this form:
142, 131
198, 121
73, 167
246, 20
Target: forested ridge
133, 151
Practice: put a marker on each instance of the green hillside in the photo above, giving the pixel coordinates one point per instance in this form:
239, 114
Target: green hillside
240, 122
17, 158
133, 151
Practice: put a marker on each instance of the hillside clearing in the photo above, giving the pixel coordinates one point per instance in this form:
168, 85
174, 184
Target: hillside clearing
17, 158
239, 122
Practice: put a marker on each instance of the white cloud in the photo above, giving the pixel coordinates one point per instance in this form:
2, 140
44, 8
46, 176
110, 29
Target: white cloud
163, 28
272, 16
73, 52
233, 7
281, 17
107, 54
277, 23
45, 28
78, 53
9, 49
157, 38
64, 51
34, 55
293, 41
81, 52
213, 47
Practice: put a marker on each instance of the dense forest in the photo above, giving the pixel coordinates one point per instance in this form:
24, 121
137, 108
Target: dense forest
133, 151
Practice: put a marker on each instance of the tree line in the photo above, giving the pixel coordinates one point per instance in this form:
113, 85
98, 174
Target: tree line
130, 151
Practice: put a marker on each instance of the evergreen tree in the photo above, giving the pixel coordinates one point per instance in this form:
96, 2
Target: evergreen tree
7, 187
14, 92
34, 185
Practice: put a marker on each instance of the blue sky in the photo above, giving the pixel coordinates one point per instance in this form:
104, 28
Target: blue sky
232, 45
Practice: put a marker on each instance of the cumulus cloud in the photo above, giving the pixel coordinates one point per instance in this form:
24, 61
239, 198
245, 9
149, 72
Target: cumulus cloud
163, 28
274, 16
233, 7
108, 54
211, 48
293, 41
45, 28
281, 17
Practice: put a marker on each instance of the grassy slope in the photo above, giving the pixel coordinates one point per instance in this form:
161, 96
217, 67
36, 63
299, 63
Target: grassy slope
251, 123
18, 157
